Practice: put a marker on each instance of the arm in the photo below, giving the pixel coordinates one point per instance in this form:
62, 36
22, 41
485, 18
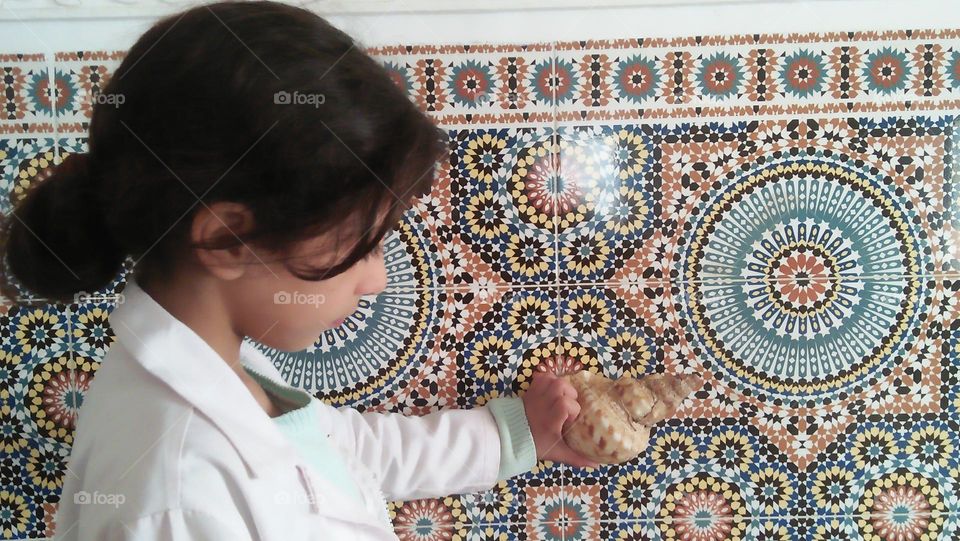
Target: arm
441, 453
458, 451
518, 452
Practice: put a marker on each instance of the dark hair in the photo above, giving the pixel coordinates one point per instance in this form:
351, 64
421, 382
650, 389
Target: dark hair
196, 110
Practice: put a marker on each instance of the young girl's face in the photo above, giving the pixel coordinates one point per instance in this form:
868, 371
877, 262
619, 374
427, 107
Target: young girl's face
287, 313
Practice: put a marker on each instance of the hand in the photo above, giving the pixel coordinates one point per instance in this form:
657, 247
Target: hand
551, 407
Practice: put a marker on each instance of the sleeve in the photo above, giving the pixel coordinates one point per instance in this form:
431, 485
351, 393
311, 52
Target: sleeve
177, 525
518, 452
445, 452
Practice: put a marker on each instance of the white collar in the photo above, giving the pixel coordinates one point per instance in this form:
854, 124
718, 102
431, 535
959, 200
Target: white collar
179, 357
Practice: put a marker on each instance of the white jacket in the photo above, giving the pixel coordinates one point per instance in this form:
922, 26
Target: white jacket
170, 445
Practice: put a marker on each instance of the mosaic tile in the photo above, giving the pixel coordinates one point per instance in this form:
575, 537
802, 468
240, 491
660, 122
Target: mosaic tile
43, 382
464, 85
509, 501
885, 467
412, 251
26, 159
820, 528
758, 454
949, 238
612, 329
37, 481
609, 222
756, 75
56, 379
545, 514
35, 333
27, 96
619, 530
820, 199
687, 471
92, 335
828, 199
834, 528
480, 532
80, 77
491, 344
500, 206
820, 376
777, 212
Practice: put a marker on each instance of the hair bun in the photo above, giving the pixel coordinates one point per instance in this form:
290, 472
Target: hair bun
56, 239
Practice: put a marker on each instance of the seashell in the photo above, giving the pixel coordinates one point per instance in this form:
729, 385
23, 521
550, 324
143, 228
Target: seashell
616, 415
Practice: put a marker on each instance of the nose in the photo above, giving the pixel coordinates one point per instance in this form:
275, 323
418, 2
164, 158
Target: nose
376, 279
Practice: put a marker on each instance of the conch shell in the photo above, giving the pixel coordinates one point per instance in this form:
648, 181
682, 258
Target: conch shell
616, 415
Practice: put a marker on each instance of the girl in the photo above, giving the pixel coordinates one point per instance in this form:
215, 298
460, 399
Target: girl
247, 156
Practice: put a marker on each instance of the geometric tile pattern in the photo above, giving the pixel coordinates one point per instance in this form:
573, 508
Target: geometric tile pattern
776, 212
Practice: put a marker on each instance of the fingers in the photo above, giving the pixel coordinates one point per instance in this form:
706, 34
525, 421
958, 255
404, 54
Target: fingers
541, 379
567, 389
564, 412
563, 453
561, 415
544, 375
551, 386
572, 409
561, 386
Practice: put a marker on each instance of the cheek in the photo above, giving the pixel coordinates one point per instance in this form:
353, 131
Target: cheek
290, 314
308, 312
303, 310
295, 326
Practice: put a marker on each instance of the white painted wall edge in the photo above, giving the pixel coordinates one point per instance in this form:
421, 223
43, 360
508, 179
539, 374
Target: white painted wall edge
529, 26
68, 9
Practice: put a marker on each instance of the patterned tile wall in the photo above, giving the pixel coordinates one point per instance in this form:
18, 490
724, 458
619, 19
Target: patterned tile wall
777, 212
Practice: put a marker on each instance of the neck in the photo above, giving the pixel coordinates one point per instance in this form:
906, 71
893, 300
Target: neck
198, 304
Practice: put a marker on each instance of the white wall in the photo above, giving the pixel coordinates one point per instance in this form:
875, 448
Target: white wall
20, 34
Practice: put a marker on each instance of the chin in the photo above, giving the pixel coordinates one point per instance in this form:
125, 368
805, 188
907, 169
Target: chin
300, 345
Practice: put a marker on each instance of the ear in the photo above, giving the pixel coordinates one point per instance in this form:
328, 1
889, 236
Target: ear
223, 220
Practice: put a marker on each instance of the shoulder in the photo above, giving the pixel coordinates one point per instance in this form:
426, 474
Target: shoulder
150, 452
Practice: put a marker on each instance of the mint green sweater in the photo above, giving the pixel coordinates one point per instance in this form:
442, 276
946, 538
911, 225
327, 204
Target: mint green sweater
299, 424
